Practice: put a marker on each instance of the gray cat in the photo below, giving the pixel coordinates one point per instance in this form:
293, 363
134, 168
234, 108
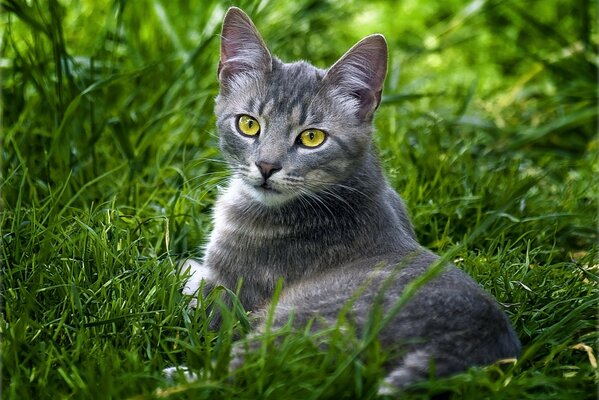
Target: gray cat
307, 202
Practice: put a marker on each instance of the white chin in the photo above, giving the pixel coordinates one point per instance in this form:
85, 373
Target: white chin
270, 198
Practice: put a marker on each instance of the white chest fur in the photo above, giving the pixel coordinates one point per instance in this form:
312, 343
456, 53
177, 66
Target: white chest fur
238, 196
196, 270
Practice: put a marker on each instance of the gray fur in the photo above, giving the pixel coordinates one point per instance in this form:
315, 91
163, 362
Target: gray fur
334, 219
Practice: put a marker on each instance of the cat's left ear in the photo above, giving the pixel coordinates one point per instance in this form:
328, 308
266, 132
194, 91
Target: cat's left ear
242, 50
360, 74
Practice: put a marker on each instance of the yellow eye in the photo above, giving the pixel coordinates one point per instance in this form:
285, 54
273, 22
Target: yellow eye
311, 138
247, 125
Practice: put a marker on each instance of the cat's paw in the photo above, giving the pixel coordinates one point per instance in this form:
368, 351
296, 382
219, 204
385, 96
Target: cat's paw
196, 273
413, 368
238, 353
173, 374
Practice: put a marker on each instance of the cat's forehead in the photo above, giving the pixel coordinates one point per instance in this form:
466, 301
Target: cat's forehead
289, 89
294, 77
290, 92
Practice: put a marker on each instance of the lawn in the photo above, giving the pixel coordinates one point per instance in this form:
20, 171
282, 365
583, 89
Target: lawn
110, 167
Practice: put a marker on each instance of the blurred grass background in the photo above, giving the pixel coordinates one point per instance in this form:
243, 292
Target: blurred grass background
110, 169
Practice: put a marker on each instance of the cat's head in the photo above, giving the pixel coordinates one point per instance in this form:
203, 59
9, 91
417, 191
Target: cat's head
291, 130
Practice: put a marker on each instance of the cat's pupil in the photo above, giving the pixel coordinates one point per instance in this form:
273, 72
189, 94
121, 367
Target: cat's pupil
311, 135
250, 124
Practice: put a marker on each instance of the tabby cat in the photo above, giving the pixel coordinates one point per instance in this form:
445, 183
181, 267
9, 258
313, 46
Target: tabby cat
307, 202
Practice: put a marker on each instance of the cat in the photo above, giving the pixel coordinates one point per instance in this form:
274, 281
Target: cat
308, 202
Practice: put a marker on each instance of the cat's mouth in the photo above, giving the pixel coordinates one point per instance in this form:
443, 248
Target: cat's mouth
267, 187
265, 193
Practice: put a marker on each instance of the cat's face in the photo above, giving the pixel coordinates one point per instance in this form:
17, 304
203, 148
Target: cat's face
285, 135
292, 130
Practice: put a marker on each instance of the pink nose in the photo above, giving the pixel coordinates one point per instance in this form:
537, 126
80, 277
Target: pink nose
267, 169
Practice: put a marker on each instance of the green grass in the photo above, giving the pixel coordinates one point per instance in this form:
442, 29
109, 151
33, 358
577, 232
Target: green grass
110, 169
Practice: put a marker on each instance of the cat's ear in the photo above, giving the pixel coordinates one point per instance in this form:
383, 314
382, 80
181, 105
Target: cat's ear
360, 74
242, 49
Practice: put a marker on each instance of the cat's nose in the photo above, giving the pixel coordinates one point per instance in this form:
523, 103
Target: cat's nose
267, 169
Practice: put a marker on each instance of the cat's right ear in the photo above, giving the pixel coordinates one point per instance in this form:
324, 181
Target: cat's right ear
242, 50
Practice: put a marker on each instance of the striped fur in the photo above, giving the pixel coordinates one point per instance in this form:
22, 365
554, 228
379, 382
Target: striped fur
328, 221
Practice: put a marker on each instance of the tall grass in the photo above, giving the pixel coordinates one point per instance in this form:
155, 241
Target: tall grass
110, 169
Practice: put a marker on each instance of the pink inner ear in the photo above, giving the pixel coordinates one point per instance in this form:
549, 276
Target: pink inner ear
361, 73
242, 48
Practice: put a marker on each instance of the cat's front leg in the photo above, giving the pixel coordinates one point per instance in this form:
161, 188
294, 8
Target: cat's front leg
197, 273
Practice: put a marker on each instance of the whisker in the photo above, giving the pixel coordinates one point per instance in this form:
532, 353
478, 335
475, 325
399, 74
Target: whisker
202, 160
304, 198
208, 189
319, 202
345, 187
209, 175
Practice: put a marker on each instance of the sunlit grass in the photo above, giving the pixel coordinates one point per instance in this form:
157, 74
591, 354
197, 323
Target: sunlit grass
110, 169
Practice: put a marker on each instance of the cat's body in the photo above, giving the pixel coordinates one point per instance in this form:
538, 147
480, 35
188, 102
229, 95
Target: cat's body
308, 203
261, 244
